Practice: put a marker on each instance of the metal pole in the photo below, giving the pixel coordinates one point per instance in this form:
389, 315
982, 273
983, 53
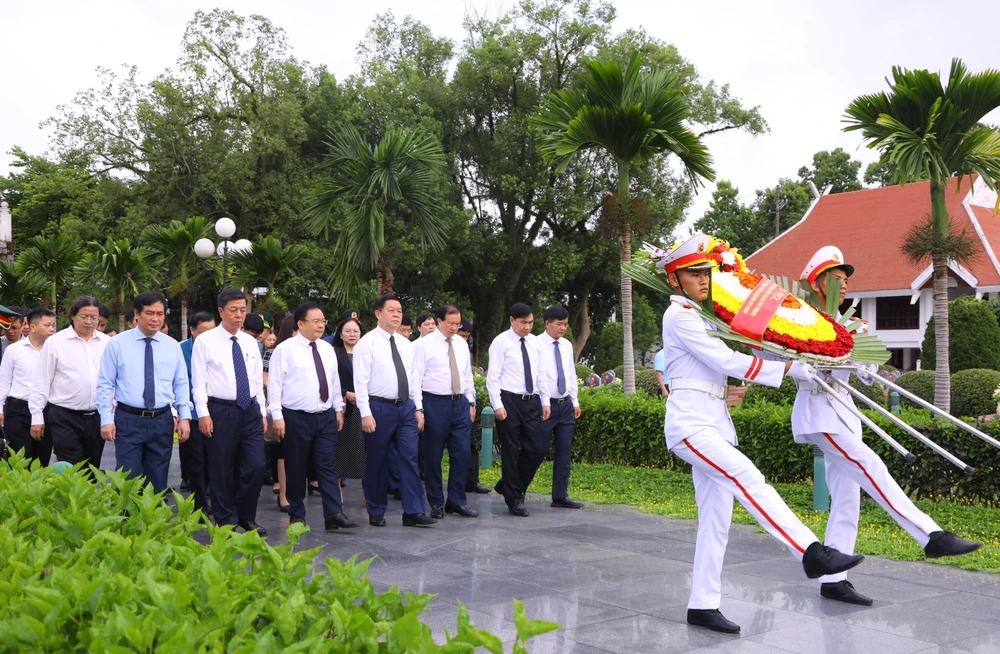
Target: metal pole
821, 494
225, 265
486, 447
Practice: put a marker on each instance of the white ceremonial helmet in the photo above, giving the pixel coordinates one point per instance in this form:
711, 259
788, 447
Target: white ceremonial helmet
691, 254
826, 258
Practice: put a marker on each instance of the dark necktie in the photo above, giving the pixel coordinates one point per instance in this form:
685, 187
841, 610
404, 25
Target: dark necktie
149, 385
243, 397
324, 385
401, 380
560, 373
528, 386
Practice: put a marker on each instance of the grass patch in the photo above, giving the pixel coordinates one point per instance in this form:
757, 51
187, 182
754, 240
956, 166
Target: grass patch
671, 493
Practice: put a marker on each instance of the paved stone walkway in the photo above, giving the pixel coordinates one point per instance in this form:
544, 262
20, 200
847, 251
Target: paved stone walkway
618, 580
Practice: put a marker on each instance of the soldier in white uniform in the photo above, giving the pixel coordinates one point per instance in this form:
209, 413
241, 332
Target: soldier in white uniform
699, 430
818, 419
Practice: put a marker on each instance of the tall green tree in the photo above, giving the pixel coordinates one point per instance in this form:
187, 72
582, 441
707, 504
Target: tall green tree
172, 249
832, 168
634, 115
120, 268
25, 290
372, 182
267, 262
927, 130
54, 258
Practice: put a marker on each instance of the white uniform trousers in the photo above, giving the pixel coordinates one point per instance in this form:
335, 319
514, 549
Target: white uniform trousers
852, 465
721, 472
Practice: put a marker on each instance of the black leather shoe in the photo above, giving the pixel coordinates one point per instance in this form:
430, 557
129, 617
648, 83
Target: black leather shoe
712, 619
945, 543
250, 525
463, 511
397, 494
518, 510
293, 519
437, 512
843, 591
185, 486
283, 507
376, 520
417, 520
820, 560
567, 503
478, 488
336, 521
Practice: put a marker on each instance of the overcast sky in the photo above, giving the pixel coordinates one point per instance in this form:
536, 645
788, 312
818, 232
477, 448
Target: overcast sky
801, 61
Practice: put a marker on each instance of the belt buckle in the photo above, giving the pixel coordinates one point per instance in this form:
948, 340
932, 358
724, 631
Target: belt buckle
725, 393
148, 413
525, 397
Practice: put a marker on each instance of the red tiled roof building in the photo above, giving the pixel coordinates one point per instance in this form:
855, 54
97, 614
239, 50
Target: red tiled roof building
869, 226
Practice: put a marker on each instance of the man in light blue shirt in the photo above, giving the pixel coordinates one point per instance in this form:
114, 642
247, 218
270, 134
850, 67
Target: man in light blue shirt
144, 372
660, 366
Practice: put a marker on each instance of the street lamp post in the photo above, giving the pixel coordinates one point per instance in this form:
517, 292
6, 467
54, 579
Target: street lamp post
206, 248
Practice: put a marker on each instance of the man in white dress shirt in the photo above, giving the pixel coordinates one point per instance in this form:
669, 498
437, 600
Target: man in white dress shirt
383, 362
63, 398
699, 430
17, 370
521, 403
555, 357
307, 410
228, 385
445, 395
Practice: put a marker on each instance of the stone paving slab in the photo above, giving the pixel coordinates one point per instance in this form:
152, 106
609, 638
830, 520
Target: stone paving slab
618, 580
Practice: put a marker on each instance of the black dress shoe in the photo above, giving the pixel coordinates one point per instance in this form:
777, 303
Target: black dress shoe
313, 489
463, 511
437, 512
477, 488
712, 619
945, 543
283, 507
567, 503
293, 519
843, 591
417, 520
376, 520
820, 560
518, 510
250, 525
185, 486
336, 521
397, 494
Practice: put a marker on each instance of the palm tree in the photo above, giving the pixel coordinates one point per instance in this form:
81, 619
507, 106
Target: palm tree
266, 262
370, 184
53, 257
172, 249
116, 264
25, 290
634, 115
926, 131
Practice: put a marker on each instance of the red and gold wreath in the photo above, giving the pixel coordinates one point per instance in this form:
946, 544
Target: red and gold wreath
795, 325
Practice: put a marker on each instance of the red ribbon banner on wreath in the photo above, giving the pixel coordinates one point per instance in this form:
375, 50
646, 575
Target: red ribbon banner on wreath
760, 306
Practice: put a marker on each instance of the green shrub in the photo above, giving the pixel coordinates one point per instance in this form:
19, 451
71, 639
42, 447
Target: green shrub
760, 393
972, 392
582, 371
106, 568
609, 348
974, 337
628, 430
918, 382
874, 392
645, 379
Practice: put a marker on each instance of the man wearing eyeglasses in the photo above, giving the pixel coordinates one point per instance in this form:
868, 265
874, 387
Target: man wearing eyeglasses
307, 405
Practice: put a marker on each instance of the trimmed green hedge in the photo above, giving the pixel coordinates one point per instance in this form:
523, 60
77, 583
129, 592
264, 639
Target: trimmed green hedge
918, 382
972, 392
614, 428
645, 379
108, 567
582, 371
760, 393
973, 337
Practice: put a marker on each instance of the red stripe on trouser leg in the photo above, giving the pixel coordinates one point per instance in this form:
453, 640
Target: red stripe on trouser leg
750, 499
862, 468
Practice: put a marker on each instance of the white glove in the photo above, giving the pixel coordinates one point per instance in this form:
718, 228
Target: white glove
866, 373
801, 372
